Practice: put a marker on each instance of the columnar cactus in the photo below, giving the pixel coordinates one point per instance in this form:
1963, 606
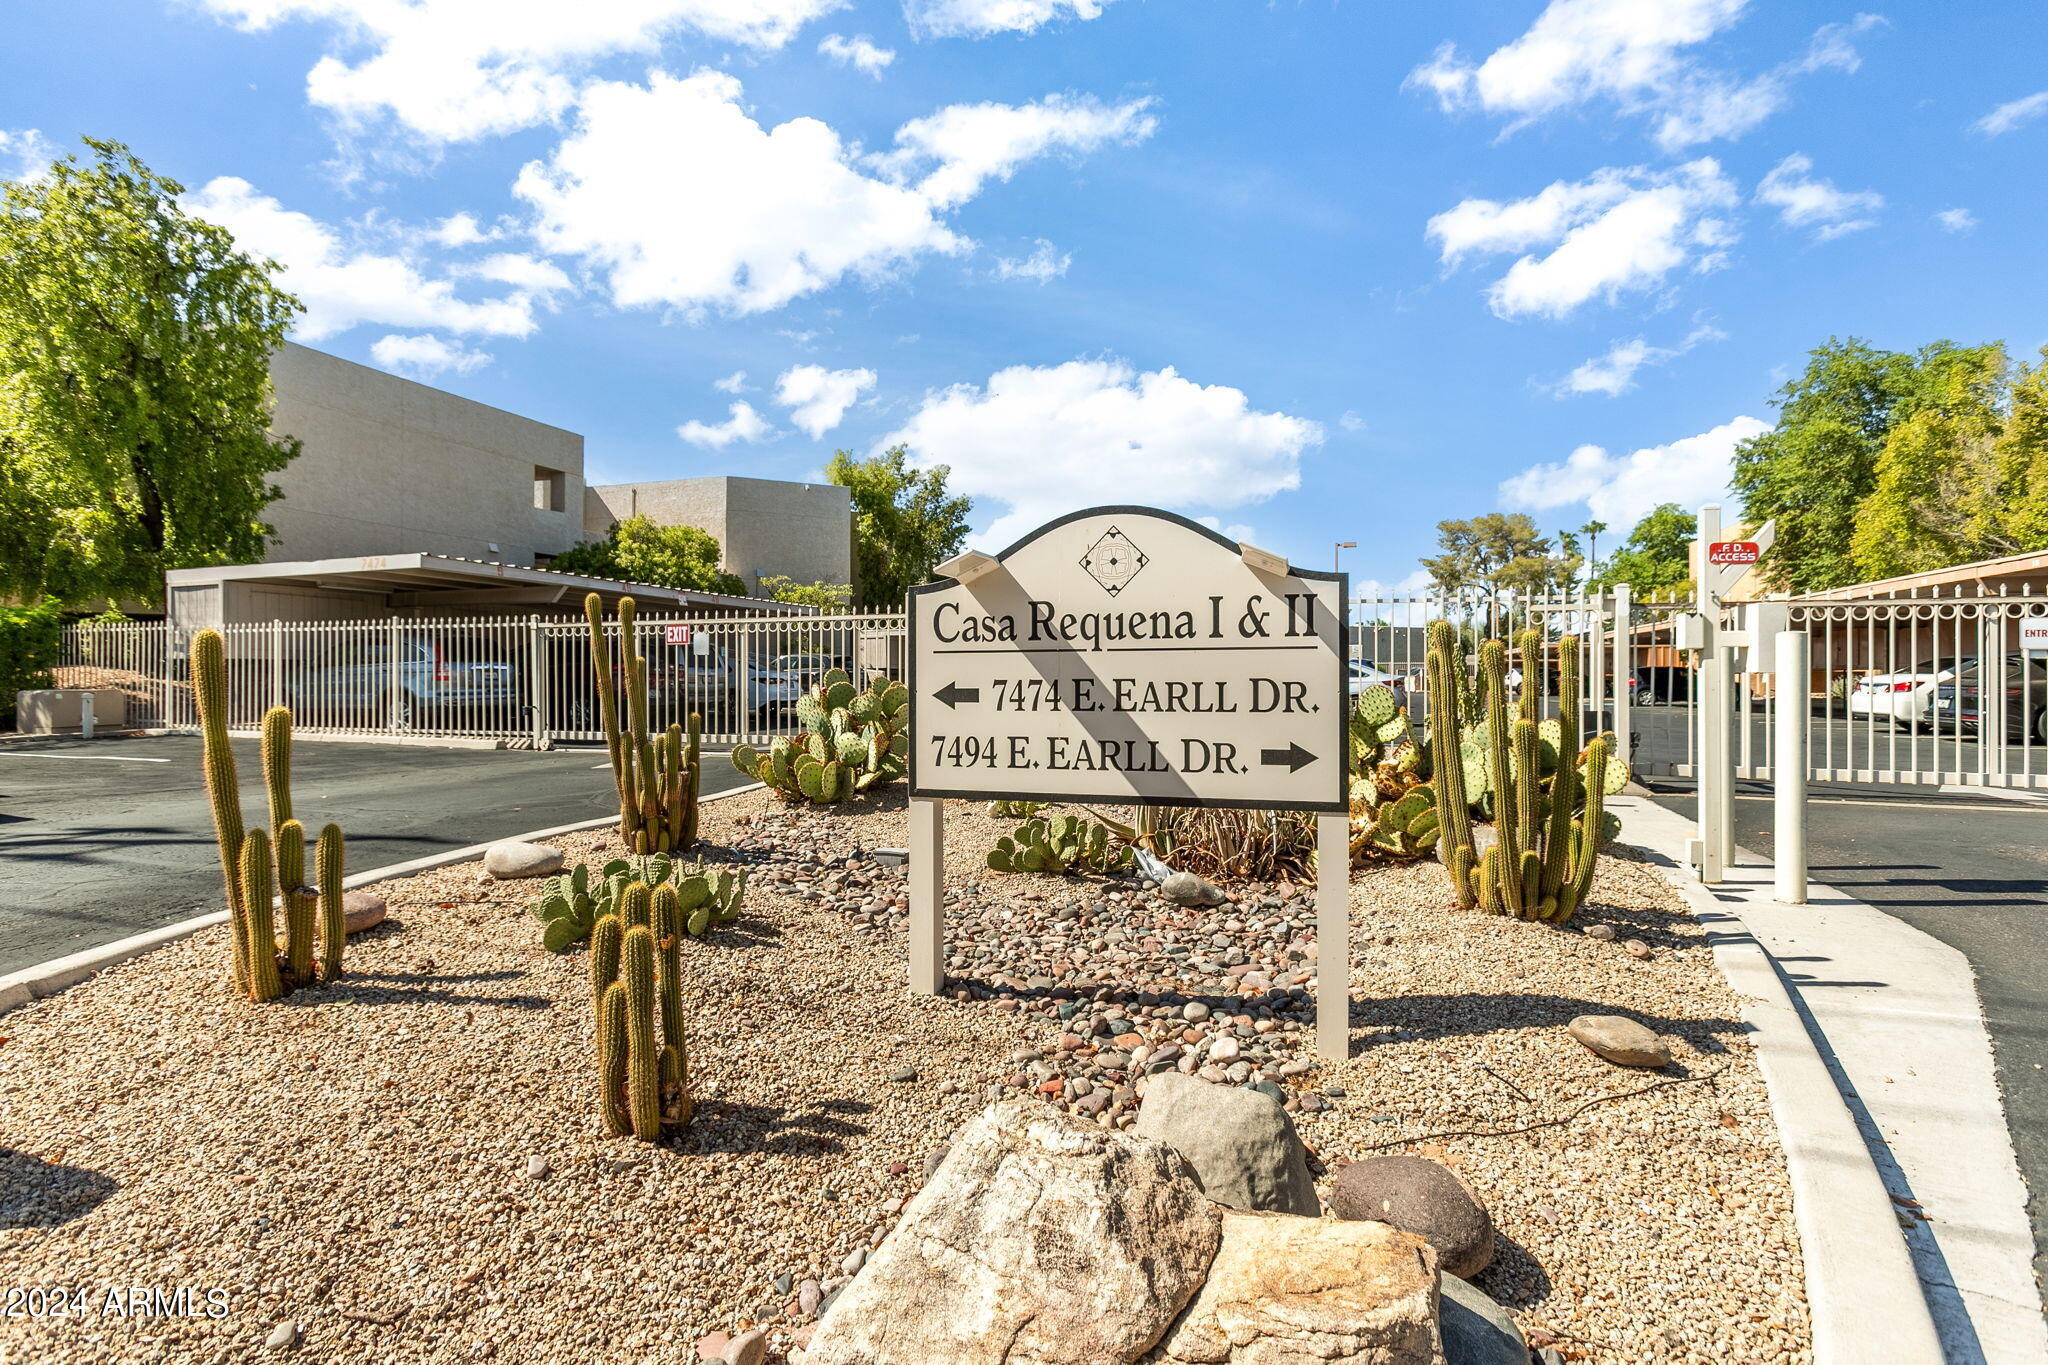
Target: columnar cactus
657, 775
330, 853
611, 1058
604, 955
636, 978
278, 867
643, 1055
1447, 761
668, 971
260, 929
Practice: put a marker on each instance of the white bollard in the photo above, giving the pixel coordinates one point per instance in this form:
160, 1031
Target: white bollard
1794, 685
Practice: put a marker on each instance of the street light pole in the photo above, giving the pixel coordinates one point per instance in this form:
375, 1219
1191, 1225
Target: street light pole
1337, 555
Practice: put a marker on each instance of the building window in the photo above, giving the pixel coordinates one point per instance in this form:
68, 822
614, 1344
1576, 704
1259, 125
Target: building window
550, 489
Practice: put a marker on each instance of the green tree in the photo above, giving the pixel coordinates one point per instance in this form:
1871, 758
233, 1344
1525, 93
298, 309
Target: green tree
905, 523
826, 597
1592, 531
642, 550
1937, 498
2020, 457
1656, 554
1812, 472
1495, 552
135, 392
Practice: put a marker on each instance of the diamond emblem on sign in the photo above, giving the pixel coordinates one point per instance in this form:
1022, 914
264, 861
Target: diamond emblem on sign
1113, 561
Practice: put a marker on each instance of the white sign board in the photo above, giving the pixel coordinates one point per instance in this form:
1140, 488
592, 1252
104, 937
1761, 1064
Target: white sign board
1128, 654
2034, 633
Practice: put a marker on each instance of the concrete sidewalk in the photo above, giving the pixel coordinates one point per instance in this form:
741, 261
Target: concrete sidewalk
1895, 1014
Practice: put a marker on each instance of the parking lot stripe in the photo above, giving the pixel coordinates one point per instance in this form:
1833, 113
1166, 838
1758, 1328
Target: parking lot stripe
89, 758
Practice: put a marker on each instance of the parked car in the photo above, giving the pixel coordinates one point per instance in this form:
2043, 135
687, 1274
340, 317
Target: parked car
1364, 674
439, 680
1960, 701
1904, 696
1662, 686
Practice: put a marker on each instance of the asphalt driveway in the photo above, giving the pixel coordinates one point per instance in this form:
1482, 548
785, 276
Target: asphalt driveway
100, 839
1971, 871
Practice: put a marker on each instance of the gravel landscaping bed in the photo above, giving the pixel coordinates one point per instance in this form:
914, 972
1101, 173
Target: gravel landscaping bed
408, 1165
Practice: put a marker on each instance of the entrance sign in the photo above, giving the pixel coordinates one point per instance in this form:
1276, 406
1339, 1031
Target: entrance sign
2034, 632
1127, 655
1733, 552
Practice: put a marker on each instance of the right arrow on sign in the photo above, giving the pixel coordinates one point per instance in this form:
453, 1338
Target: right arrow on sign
1293, 758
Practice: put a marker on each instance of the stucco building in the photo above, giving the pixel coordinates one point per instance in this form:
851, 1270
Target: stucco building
802, 531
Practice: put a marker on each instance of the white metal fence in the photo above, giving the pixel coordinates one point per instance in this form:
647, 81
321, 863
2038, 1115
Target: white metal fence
503, 678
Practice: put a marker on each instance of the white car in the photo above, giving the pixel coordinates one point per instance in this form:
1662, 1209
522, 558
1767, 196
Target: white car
1905, 696
1364, 674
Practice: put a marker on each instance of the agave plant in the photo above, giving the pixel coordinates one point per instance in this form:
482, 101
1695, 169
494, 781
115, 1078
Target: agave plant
852, 740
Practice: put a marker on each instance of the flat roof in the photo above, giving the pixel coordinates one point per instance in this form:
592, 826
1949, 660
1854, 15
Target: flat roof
2027, 566
452, 580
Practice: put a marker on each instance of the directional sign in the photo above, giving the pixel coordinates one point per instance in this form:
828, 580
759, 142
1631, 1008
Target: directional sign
1128, 654
1733, 552
2034, 632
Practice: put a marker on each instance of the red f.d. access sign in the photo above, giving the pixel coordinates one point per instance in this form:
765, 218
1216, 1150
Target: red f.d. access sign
1732, 552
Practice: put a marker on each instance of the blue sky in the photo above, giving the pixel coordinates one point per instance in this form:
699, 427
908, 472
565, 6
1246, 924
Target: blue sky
1320, 271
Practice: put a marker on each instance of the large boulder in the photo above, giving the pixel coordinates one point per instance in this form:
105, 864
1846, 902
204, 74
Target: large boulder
517, 858
1417, 1195
1620, 1040
1310, 1291
1042, 1240
1241, 1143
1478, 1331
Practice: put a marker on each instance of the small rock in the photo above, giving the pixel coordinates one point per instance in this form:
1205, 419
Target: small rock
537, 1168
516, 858
711, 1346
808, 1295
906, 1074
283, 1335
1478, 1331
782, 1283
855, 1259
1185, 888
1194, 1011
933, 1160
1639, 950
1621, 1041
1603, 932
748, 1348
1420, 1196
360, 910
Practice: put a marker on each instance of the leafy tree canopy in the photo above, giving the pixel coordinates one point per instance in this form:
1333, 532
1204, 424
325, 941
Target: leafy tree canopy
826, 597
905, 523
135, 393
642, 550
1495, 552
1656, 554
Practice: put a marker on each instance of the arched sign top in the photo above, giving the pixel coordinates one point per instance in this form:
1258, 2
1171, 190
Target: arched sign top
1130, 654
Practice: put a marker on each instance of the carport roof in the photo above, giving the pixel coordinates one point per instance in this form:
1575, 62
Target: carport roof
430, 580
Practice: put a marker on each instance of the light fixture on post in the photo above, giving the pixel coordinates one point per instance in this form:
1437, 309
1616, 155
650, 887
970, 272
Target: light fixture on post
1337, 555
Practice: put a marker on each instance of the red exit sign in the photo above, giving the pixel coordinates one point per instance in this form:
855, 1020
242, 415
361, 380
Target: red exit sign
1732, 552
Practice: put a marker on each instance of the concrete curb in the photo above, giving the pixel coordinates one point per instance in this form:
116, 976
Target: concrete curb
47, 978
1861, 1287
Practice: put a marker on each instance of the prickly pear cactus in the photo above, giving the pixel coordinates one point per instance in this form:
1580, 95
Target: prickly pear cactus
852, 740
1067, 844
574, 904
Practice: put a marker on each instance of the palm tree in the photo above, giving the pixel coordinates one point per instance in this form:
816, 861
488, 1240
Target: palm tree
1591, 531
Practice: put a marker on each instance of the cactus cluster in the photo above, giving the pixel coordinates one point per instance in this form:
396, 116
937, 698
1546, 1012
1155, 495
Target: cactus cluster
1381, 733
852, 740
1402, 828
263, 872
1067, 844
1545, 795
657, 774
572, 903
1392, 805
636, 980
1016, 810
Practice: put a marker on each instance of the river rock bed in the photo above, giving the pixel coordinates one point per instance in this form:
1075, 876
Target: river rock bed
407, 1165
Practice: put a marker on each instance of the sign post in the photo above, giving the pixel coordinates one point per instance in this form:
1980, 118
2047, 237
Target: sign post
1128, 655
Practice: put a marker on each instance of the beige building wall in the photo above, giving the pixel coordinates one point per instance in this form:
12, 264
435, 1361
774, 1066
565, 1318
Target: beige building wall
391, 466
763, 526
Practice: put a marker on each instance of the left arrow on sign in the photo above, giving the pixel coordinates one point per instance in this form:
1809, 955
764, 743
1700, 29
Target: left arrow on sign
953, 694
1294, 758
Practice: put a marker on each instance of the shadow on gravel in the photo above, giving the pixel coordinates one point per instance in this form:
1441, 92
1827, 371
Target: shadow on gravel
728, 1126
415, 988
1376, 1022
1514, 1277
40, 1194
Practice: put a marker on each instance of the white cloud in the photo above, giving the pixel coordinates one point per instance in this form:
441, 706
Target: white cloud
741, 424
797, 209
458, 230
2013, 114
1044, 263
817, 397
453, 70
1237, 531
1956, 220
1615, 372
1045, 439
29, 150
1621, 489
1351, 421
425, 355
344, 283
967, 145
736, 382
980, 18
1636, 55
1620, 231
1805, 202
857, 52
530, 273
